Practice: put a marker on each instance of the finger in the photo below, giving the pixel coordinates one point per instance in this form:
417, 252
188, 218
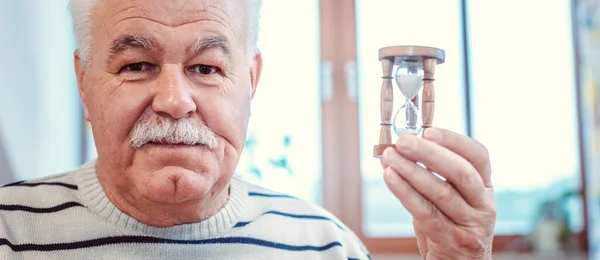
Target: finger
433, 223
421, 239
442, 194
454, 168
468, 148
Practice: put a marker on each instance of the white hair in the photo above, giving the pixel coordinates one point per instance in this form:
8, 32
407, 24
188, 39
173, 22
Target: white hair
162, 130
81, 15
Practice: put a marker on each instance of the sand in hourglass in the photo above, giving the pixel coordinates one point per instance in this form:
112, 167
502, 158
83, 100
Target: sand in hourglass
409, 85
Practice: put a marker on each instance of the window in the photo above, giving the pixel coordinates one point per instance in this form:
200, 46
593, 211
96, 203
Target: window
524, 106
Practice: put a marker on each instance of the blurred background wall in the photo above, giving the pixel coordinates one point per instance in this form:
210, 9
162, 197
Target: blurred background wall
40, 120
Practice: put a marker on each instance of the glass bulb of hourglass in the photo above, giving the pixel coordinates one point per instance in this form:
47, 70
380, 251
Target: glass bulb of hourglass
407, 119
409, 79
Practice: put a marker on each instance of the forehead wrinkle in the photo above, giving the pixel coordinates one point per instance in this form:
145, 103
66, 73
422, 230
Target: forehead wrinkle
196, 17
173, 26
114, 16
211, 12
224, 21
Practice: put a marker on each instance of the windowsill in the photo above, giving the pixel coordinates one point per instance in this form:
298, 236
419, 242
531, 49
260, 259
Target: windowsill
513, 245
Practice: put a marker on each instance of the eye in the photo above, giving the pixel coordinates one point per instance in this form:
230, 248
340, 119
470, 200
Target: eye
204, 69
137, 67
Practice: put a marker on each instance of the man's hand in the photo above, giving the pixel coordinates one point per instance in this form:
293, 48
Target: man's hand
453, 219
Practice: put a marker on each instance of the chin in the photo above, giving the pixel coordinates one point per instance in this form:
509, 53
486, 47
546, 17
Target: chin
174, 173
175, 184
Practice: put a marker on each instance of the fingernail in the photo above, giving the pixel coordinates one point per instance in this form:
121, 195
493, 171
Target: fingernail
407, 143
433, 134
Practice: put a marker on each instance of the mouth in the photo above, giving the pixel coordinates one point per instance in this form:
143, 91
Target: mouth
165, 141
173, 144
165, 144
170, 144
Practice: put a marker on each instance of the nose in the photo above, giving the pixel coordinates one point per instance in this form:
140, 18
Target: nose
173, 97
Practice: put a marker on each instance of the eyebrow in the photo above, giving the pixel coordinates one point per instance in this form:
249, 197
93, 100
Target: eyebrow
128, 42
211, 42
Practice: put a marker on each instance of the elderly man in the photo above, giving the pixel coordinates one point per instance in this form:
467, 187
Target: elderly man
167, 86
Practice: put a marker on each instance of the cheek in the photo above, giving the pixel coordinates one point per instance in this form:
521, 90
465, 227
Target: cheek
228, 116
115, 110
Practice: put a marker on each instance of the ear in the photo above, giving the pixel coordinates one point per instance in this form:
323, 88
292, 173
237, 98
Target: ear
80, 73
255, 71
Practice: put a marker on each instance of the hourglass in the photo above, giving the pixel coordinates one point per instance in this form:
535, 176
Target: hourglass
413, 69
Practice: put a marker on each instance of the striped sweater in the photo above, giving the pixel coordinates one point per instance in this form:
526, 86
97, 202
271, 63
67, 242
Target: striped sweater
68, 216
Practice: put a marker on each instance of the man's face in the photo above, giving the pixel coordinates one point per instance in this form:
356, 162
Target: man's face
156, 61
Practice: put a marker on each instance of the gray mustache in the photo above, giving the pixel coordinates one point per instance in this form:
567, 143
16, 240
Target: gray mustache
166, 131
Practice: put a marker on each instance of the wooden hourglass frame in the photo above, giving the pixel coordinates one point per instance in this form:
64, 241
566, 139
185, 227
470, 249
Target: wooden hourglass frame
392, 56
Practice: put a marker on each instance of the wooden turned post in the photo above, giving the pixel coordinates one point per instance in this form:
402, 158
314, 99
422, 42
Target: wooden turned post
386, 107
428, 98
